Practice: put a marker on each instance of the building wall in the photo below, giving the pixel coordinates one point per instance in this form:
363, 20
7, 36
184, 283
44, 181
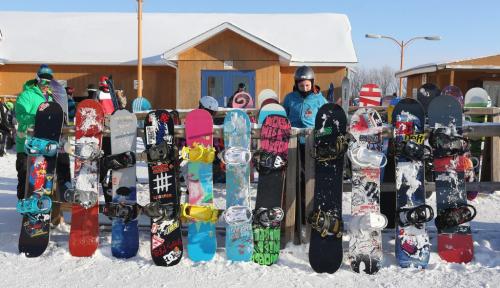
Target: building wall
159, 82
211, 54
324, 75
490, 60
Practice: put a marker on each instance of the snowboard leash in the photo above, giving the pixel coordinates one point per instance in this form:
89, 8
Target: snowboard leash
198, 153
237, 215
41, 147
199, 213
235, 156
415, 216
454, 216
326, 223
268, 217
324, 151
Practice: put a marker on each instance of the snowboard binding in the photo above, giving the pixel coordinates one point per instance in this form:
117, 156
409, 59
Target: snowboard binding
237, 215
326, 152
41, 147
412, 150
326, 223
87, 151
266, 162
268, 217
415, 216
160, 211
119, 161
126, 212
34, 205
199, 213
160, 153
455, 216
444, 143
86, 199
198, 153
366, 158
368, 222
235, 156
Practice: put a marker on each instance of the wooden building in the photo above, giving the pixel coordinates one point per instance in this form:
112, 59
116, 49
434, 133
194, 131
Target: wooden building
185, 56
467, 73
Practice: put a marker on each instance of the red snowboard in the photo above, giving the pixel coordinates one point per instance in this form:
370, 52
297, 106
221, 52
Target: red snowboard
89, 123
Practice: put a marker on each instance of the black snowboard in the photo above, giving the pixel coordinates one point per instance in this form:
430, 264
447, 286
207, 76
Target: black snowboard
426, 93
325, 253
35, 228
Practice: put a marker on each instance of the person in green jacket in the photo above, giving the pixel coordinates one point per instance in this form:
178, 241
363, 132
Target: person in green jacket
35, 92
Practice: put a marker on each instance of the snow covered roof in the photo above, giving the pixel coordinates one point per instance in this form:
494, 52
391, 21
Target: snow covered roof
454, 64
111, 38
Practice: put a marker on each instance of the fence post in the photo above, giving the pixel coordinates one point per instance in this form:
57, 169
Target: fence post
290, 193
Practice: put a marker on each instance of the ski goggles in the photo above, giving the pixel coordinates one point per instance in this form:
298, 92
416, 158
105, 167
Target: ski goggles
44, 82
235, 156
237, 215
41, 147
198, 153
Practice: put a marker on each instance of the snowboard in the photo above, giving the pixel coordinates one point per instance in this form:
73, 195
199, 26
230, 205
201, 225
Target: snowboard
89, 125
271, 165
201, 234
267, 95
412, 242
426, 93
369, 95
124, 232
367, 158
346, 95
239, 237
477, 97
270, 109
35, 227
455, 243
454, 91
243, 100
162, 159
325, 248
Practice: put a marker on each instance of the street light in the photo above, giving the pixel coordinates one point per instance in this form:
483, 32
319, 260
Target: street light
402, 45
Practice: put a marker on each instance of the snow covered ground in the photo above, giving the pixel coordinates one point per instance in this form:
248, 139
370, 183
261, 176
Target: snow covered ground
57, 268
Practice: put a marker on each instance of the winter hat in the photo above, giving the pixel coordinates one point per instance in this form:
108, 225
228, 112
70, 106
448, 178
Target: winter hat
44, 72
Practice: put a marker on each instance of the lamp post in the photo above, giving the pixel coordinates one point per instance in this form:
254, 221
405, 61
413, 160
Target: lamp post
139, 48
402, 45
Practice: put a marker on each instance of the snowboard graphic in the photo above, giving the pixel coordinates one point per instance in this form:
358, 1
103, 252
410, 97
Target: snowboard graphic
236, 156
89, 124
270, 109
325, 248
243, 100
42, 157
267, 96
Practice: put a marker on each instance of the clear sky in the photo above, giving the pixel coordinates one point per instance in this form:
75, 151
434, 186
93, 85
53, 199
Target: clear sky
468, 28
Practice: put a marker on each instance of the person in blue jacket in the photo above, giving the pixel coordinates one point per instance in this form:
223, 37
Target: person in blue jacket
303, 103
301, 107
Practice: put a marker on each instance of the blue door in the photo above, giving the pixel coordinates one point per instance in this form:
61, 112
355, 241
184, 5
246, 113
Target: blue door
222, 84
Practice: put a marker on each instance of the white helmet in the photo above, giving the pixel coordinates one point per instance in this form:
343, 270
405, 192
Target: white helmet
209, 103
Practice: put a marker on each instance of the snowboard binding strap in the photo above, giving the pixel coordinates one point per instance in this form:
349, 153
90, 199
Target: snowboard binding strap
162, 152
34, 205
126, 212
326, 223
198, 153
412, 150
266, 162
455, 216
199, 213
87, 151
86, 199
327, 152
235, 156
119, 161
366, 158
268, 217
415, 216
368, 222
41, 147
445, 144
159, 211
237, 215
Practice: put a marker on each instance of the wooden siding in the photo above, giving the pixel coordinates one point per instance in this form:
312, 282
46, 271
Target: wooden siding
211, 54
159, 82
489, 60
324, 75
